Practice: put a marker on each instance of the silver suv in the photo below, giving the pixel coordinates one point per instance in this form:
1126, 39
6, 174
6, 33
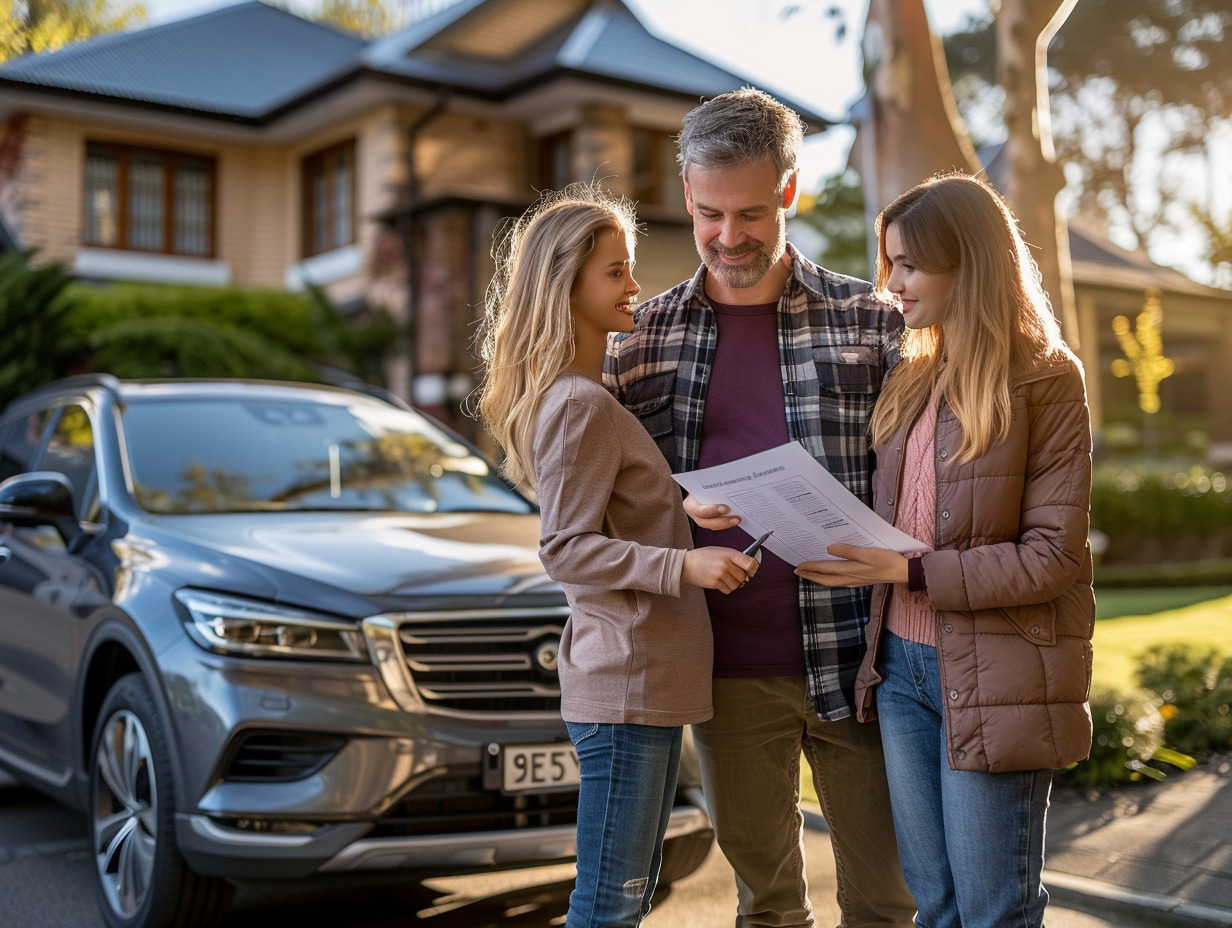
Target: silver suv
264, 631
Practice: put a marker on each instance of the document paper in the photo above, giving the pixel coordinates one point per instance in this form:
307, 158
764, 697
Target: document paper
785, 489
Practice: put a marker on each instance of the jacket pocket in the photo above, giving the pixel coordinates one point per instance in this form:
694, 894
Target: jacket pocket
847, 369
1037, 622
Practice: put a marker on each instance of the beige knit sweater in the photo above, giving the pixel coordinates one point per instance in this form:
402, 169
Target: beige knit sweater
637, 647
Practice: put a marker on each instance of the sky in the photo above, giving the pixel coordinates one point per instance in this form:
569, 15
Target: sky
797, 55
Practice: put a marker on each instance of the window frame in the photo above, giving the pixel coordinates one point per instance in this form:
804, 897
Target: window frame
85, 494
656, 184
554, 159
124, 155
328, 158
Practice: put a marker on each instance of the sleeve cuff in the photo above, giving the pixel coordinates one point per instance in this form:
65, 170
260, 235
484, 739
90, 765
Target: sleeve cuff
915, 574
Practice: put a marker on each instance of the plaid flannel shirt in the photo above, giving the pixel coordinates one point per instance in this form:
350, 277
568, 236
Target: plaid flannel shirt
837, 342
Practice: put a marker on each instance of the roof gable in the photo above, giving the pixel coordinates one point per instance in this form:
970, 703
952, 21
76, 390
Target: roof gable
501, 30
251, 62
605, 40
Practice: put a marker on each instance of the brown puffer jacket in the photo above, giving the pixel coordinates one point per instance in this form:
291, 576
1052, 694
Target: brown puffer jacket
1010, 579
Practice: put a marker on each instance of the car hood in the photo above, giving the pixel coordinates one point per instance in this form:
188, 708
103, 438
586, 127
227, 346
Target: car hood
381, 557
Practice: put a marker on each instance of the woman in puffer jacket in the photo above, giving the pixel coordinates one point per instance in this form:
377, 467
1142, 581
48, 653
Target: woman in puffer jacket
979, 652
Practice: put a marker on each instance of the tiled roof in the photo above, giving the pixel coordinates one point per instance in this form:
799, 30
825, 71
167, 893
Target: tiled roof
246, 61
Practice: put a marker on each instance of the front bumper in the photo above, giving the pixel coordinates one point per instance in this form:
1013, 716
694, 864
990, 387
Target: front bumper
243, 855
403, 790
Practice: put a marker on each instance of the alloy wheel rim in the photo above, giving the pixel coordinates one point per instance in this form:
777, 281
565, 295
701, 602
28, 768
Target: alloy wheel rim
125, 813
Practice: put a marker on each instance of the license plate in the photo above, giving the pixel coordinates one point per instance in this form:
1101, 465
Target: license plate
538, 767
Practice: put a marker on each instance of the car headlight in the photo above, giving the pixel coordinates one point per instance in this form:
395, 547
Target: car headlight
248, 627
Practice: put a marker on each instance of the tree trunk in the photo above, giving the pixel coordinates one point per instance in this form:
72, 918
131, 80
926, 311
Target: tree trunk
1024, 29
913, 122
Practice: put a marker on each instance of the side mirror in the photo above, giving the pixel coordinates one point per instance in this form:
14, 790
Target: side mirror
41, 497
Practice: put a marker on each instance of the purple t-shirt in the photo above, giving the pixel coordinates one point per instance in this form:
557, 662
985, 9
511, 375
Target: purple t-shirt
757, 629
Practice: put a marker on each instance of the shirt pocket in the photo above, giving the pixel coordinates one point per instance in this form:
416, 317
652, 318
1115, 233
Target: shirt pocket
650, 400
847, 370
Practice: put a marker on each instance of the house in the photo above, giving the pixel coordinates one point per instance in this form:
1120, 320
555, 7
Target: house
247, 146
1196, 330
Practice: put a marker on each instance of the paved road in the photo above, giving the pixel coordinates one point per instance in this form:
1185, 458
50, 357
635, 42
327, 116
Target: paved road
45, 882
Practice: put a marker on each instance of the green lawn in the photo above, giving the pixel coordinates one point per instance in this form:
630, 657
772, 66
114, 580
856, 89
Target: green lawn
1114, 602
1131, 620
1119, 641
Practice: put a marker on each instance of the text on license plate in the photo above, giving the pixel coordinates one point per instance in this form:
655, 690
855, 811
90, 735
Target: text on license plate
529, 767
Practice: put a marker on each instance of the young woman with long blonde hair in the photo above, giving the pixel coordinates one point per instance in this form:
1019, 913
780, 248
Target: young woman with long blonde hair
979, 657
635, 657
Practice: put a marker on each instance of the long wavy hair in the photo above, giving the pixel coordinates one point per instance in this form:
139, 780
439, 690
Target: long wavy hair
998, 323
526, 339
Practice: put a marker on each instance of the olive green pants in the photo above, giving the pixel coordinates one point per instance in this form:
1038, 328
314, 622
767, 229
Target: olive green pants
750, 759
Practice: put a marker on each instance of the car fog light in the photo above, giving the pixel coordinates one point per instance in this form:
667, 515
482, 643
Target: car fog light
271, 826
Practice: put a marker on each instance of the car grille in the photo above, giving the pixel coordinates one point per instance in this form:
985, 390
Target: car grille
457, 802
489, 663
277, 756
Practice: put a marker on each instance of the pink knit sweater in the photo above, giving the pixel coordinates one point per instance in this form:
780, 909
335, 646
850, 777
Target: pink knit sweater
911, 615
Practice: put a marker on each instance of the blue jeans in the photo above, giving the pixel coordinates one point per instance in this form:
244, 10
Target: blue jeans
628, 789
971, 843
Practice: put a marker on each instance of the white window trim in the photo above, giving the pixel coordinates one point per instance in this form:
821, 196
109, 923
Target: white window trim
111, 264
325, 268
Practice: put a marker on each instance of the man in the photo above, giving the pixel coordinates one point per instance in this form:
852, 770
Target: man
762, 347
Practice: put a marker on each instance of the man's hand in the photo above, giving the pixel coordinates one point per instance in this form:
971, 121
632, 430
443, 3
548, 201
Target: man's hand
712, 516
859, 567
714, 568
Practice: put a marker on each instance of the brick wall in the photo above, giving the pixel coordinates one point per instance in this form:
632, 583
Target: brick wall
49, 182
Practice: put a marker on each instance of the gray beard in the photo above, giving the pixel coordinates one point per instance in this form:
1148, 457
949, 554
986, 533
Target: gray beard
738, 278
746, 275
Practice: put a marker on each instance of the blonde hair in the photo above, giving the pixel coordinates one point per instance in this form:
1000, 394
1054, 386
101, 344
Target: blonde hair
527, 335
998, 323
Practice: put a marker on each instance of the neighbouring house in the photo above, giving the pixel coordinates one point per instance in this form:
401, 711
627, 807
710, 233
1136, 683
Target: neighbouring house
247, 146
1196, 333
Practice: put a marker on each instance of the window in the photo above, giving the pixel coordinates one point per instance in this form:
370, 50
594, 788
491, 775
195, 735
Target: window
70, 451
20, 441
329, 199
223, 455
656, 178
555, 160
144, 199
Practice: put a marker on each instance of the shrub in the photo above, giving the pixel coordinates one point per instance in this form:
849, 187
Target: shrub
1128, 731
1194, 686
35, 346
53, 326
1152, 512
154, 330
1209, 572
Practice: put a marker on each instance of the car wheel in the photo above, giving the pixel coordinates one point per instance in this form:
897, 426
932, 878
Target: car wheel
142, 880
683, 855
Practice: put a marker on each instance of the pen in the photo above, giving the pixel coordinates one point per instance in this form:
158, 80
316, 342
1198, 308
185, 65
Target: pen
756, 546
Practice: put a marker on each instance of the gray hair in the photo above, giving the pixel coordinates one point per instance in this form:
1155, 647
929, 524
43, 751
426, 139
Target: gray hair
744, 126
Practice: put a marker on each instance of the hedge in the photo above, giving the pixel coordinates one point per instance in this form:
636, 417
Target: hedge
1153, 513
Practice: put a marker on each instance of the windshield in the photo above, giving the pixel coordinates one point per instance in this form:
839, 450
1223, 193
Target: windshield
233, 455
